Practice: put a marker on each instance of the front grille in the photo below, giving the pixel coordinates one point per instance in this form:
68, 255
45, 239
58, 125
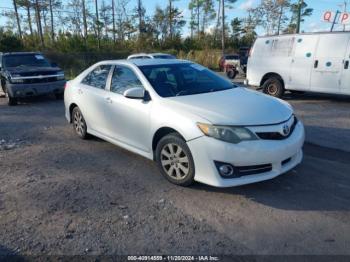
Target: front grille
39, 80
38, 73
253, 170
277, 135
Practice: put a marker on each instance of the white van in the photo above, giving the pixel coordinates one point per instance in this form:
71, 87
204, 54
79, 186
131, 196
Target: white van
315, 62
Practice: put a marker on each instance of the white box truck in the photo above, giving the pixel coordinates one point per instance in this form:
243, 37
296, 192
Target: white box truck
314, 62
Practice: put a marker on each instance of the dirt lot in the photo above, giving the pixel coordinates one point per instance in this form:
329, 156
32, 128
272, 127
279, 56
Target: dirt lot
62, 195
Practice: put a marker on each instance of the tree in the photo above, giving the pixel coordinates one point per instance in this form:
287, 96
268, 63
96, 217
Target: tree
97, 21
27, 5
305, 11
175, 19
37, 9
268, 15
84, 21
17, 19
282, 18
202, 12
113, 20
105, 13
209, 13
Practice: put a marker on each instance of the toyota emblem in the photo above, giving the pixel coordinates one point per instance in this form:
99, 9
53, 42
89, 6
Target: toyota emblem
286, 130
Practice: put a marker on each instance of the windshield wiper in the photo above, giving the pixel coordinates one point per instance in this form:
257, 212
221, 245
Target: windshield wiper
182, 92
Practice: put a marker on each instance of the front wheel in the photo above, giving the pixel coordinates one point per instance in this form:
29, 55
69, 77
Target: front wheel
273, 87
175, 160
79, 123
11, 101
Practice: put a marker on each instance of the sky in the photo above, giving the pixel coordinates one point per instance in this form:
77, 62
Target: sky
311, 24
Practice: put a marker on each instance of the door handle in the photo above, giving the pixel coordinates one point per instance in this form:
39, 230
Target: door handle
316, 64
109, 100
80, 91
346, 64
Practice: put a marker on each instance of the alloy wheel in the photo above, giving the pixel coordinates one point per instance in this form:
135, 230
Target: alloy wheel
174, 161
79, 124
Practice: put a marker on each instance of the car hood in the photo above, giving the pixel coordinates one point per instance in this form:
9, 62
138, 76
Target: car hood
237, 106
32, 70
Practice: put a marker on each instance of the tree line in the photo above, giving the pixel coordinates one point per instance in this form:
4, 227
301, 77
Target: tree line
92, 25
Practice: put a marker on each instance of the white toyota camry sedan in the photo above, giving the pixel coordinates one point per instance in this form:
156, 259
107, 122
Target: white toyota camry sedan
195, 124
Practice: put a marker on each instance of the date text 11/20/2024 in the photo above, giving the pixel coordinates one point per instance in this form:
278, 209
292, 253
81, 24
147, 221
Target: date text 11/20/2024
173, 258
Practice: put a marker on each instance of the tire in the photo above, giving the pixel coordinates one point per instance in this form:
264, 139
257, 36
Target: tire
175, 160
11, 101
273, 87
59, 96
231, 74
79, 124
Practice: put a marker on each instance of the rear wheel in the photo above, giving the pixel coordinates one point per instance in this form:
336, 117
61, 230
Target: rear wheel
175, 160
231, 74
79, 123
273, 87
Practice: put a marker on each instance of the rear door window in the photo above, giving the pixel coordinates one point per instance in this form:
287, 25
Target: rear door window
98, 77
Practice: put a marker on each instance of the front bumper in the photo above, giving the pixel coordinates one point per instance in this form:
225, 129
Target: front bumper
27, 90
205, 150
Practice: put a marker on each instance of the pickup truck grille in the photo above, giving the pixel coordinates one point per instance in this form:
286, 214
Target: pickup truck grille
39, 80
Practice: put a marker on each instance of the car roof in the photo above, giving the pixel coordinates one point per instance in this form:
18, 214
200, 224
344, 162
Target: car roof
145, 62
21, 53
159, 54
138, 54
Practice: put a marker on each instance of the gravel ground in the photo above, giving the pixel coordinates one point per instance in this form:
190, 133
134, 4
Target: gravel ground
61, 195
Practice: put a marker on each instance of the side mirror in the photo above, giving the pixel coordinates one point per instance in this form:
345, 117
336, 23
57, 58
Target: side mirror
135, 93
54, 64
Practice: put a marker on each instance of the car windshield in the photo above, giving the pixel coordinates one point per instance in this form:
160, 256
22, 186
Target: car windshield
232, 57
184, 79
25, 60
164, 56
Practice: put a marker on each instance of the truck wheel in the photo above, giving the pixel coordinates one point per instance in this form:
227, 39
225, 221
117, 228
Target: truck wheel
273, 87
11, 101
231, 74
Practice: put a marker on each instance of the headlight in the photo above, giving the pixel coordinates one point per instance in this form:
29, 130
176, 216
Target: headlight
230, 134
16, 81
60, 75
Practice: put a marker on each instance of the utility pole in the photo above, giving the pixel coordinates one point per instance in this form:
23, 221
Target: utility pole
223, 27
301, 3
335, 19
17, 18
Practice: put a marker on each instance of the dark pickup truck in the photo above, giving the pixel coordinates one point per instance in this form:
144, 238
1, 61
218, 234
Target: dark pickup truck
25, 74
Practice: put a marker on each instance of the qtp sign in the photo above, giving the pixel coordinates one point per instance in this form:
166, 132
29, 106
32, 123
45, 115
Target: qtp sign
341, 18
